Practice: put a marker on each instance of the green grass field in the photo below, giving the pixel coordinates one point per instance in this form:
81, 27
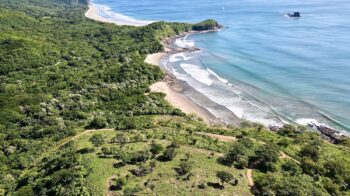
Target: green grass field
164, 177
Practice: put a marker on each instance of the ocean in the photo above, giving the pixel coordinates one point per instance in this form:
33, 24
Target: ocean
263, 66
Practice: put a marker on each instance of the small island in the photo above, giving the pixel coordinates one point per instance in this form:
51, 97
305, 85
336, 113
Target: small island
207, 25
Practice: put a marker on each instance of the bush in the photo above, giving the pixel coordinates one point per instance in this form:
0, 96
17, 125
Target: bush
132, 191
86, 150
136, 157
311, 151
121, 139
185, 167
241, 163
224, 176
98, 122
142, 170
235, 152
156, 148
97, 140
119, 183
202, 186
169, 154
310, 167
174, 144
265, 157
291, 167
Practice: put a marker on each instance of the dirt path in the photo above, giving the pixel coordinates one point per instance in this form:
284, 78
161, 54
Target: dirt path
249, 174
62, 143
223, 138
209, 152
250, 177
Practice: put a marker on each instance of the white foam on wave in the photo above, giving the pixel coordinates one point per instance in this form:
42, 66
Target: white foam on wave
307, 121
218, 77
184, 43
178, 57
264, 121
197, 73
117, 18
238, 111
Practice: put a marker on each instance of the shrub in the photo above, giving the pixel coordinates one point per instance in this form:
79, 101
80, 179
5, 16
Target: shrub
202, 186
156, 148
185, 167
235, 151
291, 167
136, 157
169, 154
98, 122
224, 176
119, 183
132, 191
310, 167
142, 170
311, 151
265, 157
121, 139
97, 140
174, 144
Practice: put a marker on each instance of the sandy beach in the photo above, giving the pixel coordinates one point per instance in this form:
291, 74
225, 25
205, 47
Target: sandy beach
115, 18
172, 89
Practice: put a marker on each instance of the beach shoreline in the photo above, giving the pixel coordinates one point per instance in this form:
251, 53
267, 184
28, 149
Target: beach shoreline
94, 13
170, 86
180, 94
173, 88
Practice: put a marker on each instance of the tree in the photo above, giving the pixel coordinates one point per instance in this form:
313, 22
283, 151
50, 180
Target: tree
97, 140
224, 176
276, 184
338, 171
246, 142
185, 166
156, 148
98, 122
121, 139
291, 167
142, 170
265, 157
311, 151
236, 151
310, 167
169, 154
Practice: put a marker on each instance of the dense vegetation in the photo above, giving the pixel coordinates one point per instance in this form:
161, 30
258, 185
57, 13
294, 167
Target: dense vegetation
209, 24
61, 74
60, 71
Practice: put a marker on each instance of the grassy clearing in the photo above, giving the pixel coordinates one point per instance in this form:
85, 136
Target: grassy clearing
164, 177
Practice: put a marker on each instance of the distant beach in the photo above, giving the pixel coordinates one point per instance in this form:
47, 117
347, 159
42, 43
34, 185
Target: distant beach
95, 13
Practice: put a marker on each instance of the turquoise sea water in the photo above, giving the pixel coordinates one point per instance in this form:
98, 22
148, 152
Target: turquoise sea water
264, 67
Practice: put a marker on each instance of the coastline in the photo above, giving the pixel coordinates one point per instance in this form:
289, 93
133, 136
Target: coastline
179, 93
170, 86
183, 96
94, 13
172, 89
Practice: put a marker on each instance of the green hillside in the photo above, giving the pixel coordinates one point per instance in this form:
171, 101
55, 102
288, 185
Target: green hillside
76, 119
